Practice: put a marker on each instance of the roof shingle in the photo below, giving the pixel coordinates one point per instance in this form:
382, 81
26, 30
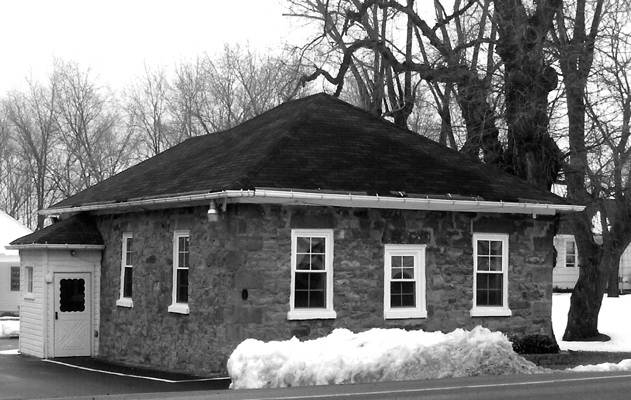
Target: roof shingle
315, 143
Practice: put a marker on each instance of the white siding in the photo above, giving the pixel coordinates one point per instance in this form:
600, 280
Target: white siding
9, 300
625, 270
563, 277
31, 309
37, 311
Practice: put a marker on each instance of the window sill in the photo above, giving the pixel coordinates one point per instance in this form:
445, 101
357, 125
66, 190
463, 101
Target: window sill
179, 308
125, 302
303, 314
404, 314
491, 312
29, 296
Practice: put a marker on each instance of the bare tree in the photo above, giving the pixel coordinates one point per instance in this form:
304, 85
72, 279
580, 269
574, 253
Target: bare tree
33, 124
88, 121
598, 148
451, 52
146, 104
214, 93
15, 183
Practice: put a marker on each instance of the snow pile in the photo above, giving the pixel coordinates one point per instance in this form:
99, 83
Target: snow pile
610, 323
624, 365
9, 327
372, 356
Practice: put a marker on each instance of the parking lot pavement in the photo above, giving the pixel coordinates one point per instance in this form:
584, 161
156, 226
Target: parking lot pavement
24, 377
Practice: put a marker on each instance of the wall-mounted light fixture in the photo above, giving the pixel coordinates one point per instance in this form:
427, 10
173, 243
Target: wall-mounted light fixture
213, 212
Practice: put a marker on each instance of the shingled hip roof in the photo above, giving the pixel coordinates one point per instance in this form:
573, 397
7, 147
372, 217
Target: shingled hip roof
78, 231
318, 145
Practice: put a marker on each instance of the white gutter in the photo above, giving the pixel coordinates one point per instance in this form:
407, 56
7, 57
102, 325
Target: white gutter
55, 246
273, 196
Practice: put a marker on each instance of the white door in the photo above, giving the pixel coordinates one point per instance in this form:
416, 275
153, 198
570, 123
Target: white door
73, 314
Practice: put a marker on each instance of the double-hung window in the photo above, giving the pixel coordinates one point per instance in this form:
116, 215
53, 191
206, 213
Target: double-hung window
490, 277
28, 282
126, 287
404, 281
571, 257
311, 295
181, 263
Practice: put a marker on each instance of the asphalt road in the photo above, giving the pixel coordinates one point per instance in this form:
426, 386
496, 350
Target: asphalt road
24, 377
560, 386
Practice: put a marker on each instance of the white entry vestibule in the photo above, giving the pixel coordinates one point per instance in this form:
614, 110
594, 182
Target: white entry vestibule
59, 313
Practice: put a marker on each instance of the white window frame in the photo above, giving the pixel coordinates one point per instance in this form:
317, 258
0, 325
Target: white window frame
29, 282
418, 253
491, 311
175, 307
569, 239
326, 312
122, 300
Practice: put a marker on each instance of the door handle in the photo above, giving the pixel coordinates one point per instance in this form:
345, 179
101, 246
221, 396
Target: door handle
56, 315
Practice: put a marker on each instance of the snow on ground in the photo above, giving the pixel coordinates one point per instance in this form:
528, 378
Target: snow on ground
613, 321
9, 327
373, 356
395, 354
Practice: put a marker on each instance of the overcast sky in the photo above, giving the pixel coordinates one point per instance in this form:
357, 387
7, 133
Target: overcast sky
115, 37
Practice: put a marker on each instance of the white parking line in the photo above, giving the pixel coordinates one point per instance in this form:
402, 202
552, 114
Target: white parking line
135, 376
9, 352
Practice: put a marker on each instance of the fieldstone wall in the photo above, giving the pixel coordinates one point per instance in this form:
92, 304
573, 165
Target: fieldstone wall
240, 277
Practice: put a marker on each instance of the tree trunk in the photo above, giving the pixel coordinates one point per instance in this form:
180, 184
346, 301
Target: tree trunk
586, 299
528, 80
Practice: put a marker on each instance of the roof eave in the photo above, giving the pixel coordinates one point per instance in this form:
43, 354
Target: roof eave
273, 196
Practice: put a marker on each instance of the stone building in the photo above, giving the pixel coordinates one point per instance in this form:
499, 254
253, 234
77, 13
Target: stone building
312, 216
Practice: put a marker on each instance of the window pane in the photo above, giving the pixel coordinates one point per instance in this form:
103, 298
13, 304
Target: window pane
495, 281
495, 298
29, 279
403, 273
402, 294
301, 299
482, 298
407, 262
496, 248
127, 282
182, 286
128, 253
316, 299
183, 251
396, 262
490, 290
317, 281
303, 262
317, 245
483, 247
303, 245
483, 263
317, 262
302, 281
483, 281
72, 295
495, 263
310, 291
